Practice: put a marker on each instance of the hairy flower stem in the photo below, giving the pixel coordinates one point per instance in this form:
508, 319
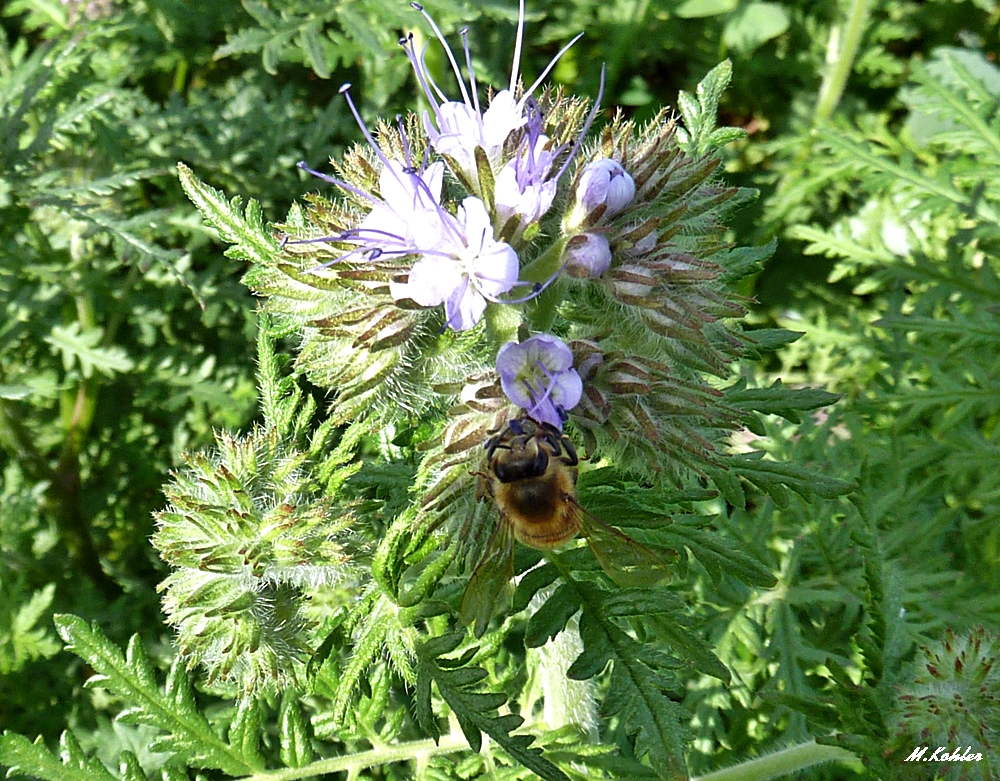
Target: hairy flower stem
542, 268
542, 311
842, 57
502, 322
842, 51
782, 763
418, 750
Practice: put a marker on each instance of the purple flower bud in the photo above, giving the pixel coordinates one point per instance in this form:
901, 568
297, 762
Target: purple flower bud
587, 255
604, 183
538, 375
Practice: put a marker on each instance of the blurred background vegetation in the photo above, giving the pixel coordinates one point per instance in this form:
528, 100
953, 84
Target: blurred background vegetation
126, 336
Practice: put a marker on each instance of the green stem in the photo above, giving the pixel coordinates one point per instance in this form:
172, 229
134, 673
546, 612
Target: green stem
781, 763
546, 264
353, 764
542, 312
78, 409
842, 51
835, 80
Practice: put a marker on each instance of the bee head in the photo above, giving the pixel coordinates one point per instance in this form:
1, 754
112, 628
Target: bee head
522, 459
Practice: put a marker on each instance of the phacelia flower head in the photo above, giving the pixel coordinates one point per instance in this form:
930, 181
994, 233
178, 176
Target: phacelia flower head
604, 185
538, 375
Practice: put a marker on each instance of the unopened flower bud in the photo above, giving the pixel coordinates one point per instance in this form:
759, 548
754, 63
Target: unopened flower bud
587, 255
604, 183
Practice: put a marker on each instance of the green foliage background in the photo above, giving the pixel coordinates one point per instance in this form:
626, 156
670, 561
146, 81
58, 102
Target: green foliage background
128, 339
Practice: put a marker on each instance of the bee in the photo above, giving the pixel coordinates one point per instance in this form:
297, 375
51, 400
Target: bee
530, 471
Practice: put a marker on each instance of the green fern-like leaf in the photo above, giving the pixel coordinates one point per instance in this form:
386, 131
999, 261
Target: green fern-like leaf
475, 709
187, 733
35, 760
243, 229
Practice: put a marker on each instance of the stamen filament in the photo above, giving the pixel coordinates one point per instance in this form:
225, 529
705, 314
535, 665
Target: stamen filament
447, 49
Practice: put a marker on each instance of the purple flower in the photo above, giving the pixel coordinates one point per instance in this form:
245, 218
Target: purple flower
524, 187
408, 198
538, 375
461, 265
411, 196
459, 127
603, 183
587, 255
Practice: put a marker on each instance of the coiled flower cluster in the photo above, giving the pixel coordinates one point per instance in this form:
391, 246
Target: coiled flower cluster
489, 260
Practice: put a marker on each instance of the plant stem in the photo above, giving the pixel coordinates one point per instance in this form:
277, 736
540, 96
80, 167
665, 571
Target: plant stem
781, 763
418, 750
842, 50
835, 80
77, 417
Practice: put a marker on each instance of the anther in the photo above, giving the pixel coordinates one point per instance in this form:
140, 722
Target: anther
344, 88
416, 6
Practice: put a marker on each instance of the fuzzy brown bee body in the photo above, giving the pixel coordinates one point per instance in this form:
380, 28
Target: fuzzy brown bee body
530, 472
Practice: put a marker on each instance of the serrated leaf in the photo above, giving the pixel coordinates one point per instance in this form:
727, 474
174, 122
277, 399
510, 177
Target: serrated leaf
778, 400
636, 689
476, 711
79, 346
312, 45
23, 640
34, 759
294, 733
244, 733
550, 619
244, 229
773, 478
188, 732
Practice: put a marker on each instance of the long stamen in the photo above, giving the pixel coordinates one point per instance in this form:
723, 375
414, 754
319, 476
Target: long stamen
464, 32
548, 388
405, 141
430, 79
586, 127
345, 91
447, 49
537, 289
342, 185
419, 68
516, 65
550, 66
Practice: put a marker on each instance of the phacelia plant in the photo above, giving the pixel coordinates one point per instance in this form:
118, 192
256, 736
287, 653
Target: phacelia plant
519, 320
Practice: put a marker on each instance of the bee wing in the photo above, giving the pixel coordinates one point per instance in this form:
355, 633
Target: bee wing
491, 578
625, 561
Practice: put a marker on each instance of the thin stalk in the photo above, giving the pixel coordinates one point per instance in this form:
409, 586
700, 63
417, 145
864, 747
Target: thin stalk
78, 409
542, 310
842, 51
418, 750
835, 79
781, 763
